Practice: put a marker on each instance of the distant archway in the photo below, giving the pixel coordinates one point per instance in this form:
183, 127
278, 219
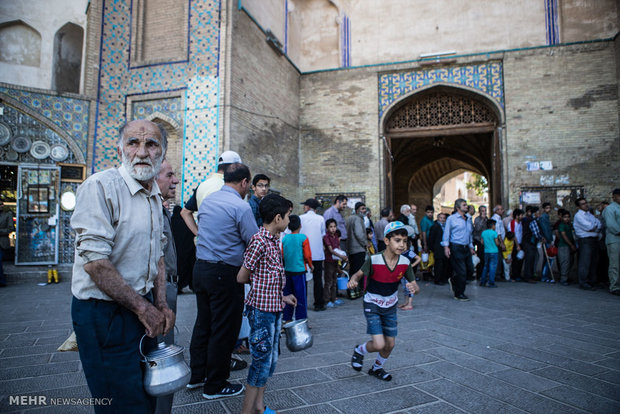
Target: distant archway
68, 58
437, 131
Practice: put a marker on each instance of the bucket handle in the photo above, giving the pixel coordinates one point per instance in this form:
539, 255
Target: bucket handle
144, 336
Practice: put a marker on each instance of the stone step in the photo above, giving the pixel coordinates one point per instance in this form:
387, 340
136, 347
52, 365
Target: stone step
34, 273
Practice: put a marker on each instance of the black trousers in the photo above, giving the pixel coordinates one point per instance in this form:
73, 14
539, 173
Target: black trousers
219, 299
529, 261
462, 266
480, 252
442, 269
317, 281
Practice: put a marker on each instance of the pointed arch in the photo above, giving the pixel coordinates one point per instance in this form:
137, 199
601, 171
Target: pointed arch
67, 67
20, 44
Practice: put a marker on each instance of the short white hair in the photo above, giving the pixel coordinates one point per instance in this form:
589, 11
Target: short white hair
404, 208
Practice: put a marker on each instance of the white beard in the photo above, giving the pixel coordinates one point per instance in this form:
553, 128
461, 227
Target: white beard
142, 173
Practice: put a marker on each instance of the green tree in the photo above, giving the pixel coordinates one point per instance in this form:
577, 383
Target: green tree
479, 184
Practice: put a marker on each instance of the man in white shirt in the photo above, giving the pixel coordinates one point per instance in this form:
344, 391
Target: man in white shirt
587, 229
313, 226
119, 281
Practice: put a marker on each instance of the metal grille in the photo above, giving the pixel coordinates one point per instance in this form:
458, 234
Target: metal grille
439, 110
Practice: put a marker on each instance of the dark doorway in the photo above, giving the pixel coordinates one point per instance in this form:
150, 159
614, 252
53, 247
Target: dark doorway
438, 131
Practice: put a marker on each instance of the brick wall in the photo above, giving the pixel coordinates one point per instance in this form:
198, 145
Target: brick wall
339, 139
562, 106
264, 107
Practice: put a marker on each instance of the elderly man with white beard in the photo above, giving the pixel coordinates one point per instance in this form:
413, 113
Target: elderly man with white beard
119, 285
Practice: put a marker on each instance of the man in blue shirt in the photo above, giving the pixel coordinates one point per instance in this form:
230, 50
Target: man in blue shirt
458, 247
225, 226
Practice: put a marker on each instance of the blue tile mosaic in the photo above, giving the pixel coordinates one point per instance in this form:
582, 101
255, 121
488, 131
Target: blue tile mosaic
70, 114
485, 77
196, 111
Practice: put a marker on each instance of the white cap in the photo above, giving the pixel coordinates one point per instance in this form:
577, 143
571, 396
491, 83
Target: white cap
229, 157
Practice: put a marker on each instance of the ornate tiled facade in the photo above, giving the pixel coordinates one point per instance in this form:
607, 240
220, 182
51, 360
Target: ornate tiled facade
485, 77
194, 84
70, 114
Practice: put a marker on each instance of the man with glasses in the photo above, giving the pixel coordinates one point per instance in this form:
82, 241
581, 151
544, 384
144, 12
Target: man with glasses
260, 188
587, 228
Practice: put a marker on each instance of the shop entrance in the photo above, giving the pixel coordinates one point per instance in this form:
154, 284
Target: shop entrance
37, 212
438, 131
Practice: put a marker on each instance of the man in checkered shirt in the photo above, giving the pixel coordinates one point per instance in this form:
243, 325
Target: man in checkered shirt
264, 270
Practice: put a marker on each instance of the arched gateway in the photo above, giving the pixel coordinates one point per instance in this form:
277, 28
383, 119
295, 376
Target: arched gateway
436, 131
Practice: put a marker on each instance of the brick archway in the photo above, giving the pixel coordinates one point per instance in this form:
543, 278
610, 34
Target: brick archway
435, 131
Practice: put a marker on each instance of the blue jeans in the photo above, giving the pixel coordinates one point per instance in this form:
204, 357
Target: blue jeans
546, 270
296, 285
264, 344
490, 267
108, 336
384, 323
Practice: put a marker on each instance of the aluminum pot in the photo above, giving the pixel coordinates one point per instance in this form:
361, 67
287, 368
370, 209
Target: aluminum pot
165, 369
298, 336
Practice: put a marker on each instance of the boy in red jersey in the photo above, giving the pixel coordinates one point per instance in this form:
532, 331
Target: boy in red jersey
384, 272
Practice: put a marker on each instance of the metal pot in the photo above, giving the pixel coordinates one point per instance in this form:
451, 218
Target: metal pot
165, 369
298, 336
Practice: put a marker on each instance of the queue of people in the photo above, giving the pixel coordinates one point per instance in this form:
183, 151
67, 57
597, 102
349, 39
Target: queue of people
123, 297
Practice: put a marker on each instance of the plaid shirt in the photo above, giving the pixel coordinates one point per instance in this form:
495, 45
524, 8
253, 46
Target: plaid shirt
263, 258
535, 230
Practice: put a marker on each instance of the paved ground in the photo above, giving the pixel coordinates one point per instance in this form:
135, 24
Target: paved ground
518, 348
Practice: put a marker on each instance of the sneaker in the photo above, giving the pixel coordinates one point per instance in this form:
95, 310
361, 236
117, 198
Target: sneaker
552, 281
339, 302
357, 360
586, 286
380, 373
194, 385
462, 298
482, 284
319, 308
237, 364
229, 390
564, 283
493, 285
330, 305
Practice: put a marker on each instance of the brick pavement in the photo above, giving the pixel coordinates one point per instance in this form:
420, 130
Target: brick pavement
519, 348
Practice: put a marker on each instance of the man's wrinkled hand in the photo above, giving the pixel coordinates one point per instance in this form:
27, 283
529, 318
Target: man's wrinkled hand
170, 318
352, 284
153, 320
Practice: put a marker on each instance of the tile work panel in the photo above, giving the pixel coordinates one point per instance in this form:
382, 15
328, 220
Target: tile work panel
70, 114
485, 77
197, 111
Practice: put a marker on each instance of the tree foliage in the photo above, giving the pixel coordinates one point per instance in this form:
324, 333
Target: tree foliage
479, 184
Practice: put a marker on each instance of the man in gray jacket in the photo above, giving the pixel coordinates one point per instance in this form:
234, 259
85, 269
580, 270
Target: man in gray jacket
356, 241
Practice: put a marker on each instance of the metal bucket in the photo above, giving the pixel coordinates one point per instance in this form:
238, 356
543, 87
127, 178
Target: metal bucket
165, 369
298, 336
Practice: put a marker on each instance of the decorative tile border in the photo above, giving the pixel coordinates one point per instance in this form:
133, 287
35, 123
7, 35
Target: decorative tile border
486, 77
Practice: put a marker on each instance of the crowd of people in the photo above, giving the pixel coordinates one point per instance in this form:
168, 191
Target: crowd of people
253, 261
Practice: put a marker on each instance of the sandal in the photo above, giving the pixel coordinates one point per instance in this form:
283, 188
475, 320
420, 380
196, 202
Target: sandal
237, 364
357, 360
380, 373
